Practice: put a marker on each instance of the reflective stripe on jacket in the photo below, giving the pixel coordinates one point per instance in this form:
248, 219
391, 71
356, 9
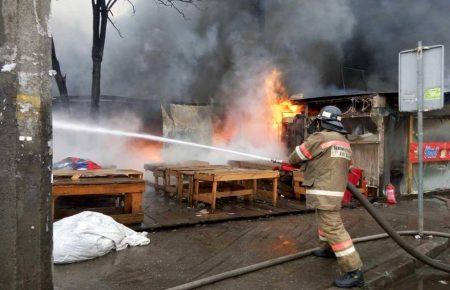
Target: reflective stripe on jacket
327, 155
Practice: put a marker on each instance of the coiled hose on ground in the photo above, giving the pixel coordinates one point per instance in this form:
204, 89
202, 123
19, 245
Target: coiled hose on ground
390, 232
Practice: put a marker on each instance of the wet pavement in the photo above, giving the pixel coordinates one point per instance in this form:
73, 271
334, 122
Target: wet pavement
427, 278
162, 211
179, 256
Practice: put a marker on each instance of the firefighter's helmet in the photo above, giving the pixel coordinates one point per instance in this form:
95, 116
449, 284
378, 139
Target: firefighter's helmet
331, 118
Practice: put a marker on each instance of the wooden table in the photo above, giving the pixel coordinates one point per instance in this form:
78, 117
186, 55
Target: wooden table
188, 173
128, 184
160, 169
234, 175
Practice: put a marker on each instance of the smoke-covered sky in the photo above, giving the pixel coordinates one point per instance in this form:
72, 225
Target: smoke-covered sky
221, 45
222, 53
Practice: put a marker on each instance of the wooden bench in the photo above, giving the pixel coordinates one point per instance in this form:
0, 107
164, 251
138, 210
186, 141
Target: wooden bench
127, 184
214, 177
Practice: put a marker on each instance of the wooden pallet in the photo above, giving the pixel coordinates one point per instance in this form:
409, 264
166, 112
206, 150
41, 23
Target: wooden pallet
126, 184
234, 175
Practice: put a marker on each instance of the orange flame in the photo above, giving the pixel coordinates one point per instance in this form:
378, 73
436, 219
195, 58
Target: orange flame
270, 110
277, 98
151, 150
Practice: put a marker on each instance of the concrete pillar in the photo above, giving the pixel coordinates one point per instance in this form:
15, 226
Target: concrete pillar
25, 145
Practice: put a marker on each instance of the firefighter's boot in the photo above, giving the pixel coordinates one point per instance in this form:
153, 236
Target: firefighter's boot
350, 279
324, 253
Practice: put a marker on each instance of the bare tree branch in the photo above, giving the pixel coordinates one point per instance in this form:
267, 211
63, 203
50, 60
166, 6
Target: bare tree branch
132, 6
110, 4
171, 3
115, 27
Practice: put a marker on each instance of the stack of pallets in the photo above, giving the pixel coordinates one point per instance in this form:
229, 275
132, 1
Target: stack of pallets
125, 184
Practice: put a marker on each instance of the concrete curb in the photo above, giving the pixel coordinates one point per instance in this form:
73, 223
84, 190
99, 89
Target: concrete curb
402, 266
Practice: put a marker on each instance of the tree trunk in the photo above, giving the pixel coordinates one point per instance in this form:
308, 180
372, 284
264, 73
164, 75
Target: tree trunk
95, 89
100, 19
60, 80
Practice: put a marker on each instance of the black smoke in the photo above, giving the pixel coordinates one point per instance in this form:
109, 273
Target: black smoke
220, 48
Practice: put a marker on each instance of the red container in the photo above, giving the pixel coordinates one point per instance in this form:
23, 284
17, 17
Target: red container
353, 177
390, 194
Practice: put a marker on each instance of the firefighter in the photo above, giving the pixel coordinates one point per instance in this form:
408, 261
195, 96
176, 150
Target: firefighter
325, 156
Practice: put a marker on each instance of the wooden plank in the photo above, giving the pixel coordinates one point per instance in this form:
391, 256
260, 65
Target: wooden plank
180, 174
206, 197
88, 189
98, 181
262, 165
245, 176
65, 173
175, 170
136, 202
180, 167
65, 212
162, 165
275, 191
133, 202
127, 219
190, 189
235, 174
213, 195
196, 190
297, 175
180, 184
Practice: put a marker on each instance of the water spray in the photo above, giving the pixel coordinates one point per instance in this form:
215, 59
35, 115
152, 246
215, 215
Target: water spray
233, 273
92, 129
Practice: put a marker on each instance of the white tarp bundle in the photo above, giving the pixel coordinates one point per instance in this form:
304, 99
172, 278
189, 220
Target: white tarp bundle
88, 235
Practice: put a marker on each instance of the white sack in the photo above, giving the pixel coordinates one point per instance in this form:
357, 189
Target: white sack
88, 235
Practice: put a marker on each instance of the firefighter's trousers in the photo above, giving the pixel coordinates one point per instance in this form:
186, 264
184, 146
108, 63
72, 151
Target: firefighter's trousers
332, 234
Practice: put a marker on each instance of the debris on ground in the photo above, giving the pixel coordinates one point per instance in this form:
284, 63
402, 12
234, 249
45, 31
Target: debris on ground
88, 235
76, 163
202, 212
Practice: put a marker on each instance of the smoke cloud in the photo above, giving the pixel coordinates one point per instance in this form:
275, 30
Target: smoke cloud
223, 50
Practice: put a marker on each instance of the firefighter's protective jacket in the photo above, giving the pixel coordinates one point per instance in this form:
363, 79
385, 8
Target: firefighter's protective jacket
327, 155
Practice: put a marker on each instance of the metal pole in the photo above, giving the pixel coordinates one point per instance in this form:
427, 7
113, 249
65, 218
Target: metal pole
420, 132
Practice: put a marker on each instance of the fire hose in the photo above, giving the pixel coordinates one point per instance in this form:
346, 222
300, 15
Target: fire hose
390, 232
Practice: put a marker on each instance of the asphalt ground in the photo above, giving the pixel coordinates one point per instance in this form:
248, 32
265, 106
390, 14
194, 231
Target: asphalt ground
179, 256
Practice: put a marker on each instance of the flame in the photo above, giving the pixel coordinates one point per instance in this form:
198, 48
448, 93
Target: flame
151, 150
260, 120
278, 100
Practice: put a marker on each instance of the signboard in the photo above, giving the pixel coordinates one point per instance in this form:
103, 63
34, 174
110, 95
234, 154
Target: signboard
432, 152
432, 75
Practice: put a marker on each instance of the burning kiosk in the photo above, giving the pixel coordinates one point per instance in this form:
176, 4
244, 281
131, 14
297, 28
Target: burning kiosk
383, 139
